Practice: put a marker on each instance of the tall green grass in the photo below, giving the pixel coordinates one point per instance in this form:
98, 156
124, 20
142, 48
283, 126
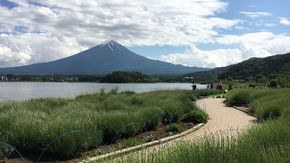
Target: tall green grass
268, 141
265, 103
99, 119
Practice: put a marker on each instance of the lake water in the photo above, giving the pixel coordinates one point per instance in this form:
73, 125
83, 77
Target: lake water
18, 91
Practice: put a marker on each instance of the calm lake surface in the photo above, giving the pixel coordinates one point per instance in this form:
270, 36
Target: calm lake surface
18, 91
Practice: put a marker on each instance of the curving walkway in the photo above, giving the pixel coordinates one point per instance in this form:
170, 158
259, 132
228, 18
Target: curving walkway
224, 122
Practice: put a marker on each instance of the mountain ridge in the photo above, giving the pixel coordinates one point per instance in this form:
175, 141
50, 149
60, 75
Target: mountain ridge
252, 67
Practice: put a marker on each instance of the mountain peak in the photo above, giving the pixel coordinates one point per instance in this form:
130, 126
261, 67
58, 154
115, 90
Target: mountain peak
109, 42
112, 45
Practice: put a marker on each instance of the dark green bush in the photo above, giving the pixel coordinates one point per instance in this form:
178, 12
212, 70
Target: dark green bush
196, 116
171, 114
173, 127
136, 101
150, 118
239, 99
273, 83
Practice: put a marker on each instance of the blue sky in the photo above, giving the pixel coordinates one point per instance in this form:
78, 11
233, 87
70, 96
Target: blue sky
209, 33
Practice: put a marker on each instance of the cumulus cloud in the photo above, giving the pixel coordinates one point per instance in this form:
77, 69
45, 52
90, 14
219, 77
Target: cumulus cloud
70, 26
26, 48
205, 58
260, 44
255, 14
285, 21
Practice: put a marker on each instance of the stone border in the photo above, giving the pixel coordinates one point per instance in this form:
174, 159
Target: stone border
142, 146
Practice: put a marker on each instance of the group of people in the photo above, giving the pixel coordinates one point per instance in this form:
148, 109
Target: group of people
219, 86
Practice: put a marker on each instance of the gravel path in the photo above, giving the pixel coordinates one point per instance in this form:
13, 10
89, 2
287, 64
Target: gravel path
224, 121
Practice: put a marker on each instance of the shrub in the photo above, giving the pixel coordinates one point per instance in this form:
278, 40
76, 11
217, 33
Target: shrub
196, 116
173, 127
170, 114
150, 118
75, 142
273, 83
239, 98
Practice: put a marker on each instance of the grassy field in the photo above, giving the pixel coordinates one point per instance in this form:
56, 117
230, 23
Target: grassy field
267, 142
91, 120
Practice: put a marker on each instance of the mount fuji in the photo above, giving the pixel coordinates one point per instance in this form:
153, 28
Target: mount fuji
99, 60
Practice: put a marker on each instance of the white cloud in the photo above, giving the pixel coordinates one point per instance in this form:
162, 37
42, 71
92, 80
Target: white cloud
84, 23
204, 58
34, 48
261, 44
285, 21
256, 14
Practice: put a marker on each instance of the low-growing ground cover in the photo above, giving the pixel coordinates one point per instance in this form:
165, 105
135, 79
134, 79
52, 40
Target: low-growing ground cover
75, 125
268, 141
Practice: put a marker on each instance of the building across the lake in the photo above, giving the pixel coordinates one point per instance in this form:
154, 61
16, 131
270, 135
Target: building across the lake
3, 78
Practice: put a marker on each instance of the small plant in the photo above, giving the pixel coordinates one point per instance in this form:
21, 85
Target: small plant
136, 101
102, 92
133, 142
4, 152
173, 127
114, 90
128, 93
149, 138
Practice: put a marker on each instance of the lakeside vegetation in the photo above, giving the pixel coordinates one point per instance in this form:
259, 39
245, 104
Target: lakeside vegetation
98, 119
268, 141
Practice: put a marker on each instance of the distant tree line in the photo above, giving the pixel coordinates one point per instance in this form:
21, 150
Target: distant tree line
53, 78
114, 77
126, 77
